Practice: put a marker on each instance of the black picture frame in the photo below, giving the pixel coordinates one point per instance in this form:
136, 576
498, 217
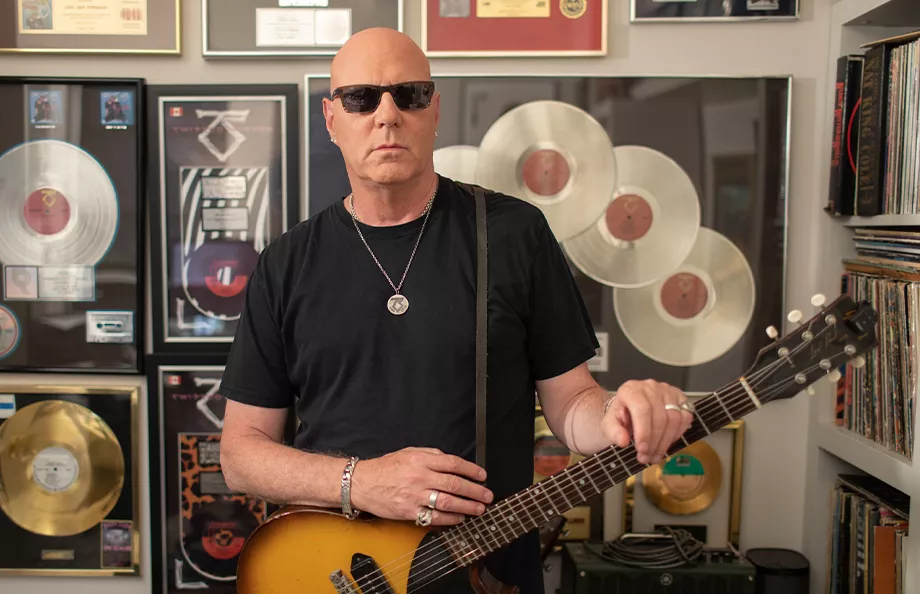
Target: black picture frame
274, 175
112, 336
713, 11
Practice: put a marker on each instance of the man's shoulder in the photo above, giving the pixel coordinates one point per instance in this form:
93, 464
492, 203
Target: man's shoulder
287, 252
510, 216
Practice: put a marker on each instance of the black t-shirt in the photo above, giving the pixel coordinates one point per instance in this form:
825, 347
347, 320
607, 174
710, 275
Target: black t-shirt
315, 332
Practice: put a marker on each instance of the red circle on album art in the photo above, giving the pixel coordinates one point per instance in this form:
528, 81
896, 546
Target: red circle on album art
545, 172
629, 217
684, 295
47, 211
214, 536
550, 456
221, 540
218, 273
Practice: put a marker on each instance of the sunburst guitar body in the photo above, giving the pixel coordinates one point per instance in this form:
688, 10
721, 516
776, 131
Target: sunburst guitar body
316, 551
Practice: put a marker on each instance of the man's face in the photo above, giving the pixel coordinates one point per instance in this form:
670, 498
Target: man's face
387, 145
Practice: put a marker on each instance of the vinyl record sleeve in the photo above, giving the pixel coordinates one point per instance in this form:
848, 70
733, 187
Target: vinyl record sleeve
224, 184
200, 525
71, 226
111, 546
730, 135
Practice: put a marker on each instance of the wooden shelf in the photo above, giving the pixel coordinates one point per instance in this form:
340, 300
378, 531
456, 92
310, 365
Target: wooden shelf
902, 220
868, 456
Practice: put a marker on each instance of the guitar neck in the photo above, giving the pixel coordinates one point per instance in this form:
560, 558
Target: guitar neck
526, 510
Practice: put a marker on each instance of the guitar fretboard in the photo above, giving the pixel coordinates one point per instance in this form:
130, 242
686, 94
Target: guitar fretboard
514, 516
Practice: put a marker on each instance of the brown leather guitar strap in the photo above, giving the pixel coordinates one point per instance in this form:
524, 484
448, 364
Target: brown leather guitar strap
482, 319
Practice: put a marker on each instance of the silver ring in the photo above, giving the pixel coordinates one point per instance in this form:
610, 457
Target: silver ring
670, 406
687, 406
433, 499
423, 518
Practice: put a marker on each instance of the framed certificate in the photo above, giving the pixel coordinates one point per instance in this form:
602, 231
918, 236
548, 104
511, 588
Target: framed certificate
224, 184
101, 27
493, 28
72, 232
679, 11
253, 28
200, 526
69, 461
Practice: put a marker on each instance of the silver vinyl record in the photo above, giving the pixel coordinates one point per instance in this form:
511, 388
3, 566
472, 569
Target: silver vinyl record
58, 206
648, 228
555, 156
457, 162
697, 312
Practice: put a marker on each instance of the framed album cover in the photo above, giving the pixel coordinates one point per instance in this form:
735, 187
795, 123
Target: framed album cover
71, 225
200, 525
106, 27
509, 28
258, 28
684, 11
69, 505
675, 233
224, 183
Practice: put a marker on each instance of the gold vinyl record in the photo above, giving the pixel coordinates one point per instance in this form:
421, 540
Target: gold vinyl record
696, 313
648, 228
61, 468
58, 206
687, 482
457, 162
555, 156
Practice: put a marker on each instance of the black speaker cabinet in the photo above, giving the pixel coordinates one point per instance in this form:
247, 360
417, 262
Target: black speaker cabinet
584, 571
779, 571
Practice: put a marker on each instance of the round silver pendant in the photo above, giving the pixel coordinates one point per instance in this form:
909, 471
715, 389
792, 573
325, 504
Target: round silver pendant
397, 304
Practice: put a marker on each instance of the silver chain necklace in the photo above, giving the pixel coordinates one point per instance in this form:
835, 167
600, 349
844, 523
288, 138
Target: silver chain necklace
397, 304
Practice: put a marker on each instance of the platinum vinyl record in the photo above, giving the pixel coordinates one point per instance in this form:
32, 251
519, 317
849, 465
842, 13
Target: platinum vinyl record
555, 156
648, 228
697, 312
458, 162
58, 206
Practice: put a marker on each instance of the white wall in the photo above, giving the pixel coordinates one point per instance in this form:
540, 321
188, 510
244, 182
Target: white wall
774, 476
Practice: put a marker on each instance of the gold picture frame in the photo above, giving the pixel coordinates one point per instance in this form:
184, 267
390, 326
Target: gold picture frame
113, 27
723, 508
112, 545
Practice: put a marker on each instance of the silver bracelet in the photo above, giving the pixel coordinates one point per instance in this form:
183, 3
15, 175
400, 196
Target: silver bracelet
609, 401
350, 513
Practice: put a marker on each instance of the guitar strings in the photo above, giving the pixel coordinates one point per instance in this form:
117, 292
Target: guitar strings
432, 554
423, 555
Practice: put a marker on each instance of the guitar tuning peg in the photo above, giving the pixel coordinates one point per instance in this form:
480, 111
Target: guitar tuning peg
834, 376
794, 316
810, 391
858, 362
818, 300
771, 332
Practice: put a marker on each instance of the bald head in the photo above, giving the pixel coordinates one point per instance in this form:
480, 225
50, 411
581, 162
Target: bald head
378, 56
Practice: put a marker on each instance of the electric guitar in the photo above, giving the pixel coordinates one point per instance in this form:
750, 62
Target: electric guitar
306, 549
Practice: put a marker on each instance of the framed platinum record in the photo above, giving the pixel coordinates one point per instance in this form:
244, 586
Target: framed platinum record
224, 184
713, 10
71, 225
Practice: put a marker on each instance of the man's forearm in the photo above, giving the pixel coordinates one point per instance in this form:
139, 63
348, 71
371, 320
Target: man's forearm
260, 467
581, 428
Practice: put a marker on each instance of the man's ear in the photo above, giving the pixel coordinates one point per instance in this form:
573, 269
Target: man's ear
328, 116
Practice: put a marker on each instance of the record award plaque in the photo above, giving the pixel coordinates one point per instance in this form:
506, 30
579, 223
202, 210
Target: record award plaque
71, 231
201, 525
256, 28
68, 462
224, 184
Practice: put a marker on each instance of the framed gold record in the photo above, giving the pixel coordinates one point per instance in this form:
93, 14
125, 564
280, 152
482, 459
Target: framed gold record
697, 489
69, 503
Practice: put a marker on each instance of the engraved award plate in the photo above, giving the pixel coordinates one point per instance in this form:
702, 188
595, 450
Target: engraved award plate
257, 28
200, 525
225, 185
71, 230
68, 475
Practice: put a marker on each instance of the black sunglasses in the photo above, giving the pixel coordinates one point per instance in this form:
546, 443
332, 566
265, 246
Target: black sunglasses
409, 96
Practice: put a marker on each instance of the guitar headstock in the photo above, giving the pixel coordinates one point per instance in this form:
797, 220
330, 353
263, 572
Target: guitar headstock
841, 332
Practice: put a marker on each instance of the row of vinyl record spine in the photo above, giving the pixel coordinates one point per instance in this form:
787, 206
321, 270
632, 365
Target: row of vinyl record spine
875, 155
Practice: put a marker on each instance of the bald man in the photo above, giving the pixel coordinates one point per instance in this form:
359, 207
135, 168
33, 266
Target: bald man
363, 318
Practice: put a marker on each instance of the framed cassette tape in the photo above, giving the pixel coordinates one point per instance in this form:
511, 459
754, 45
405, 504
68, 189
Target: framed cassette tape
200, 525
69, 504
667, 195
224, 184
71, 225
